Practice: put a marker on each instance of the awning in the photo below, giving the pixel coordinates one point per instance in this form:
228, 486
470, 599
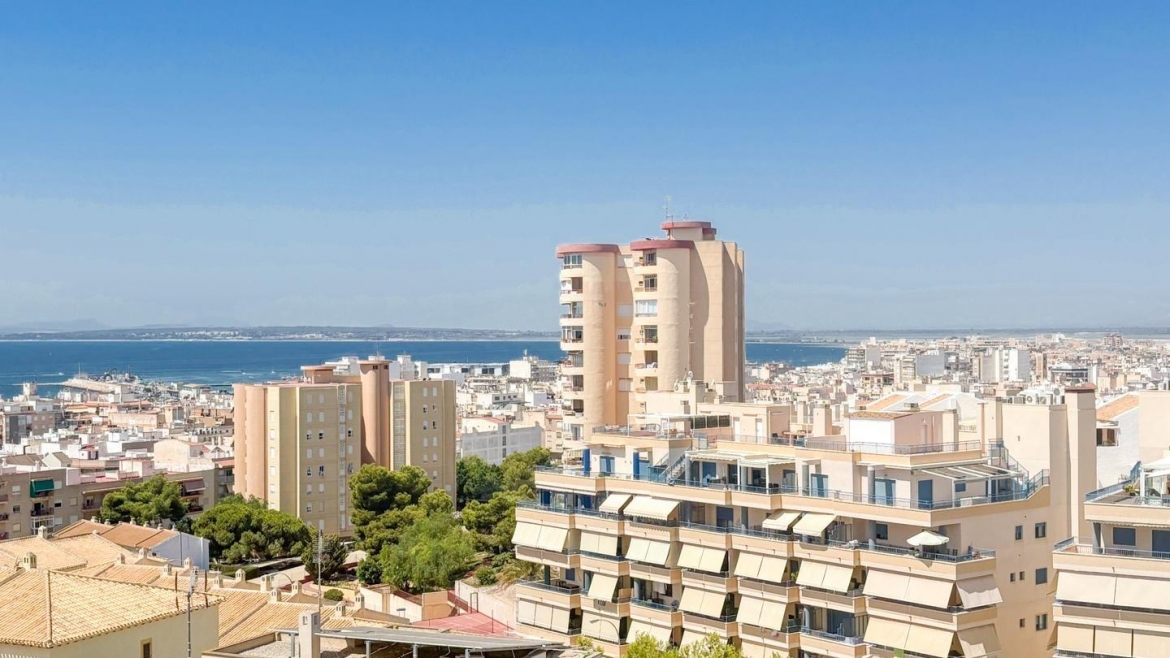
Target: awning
969, 472
593, 542
702, 602
713, 559
750, 610
544, 615
691, 637
39, 486
651, 508
1086, 588
1142, 593
886, 585
1071, 638
774, 615
639, 628
813, 524
929, 641
602, 627
690, 556
560, 620
526, 534
781, 521
647, 551
614, 503
811, 574
929, 592
602, 587
748, 565
772, 569
691, 600
979, 592
1113, 641
750, 650
637, 549
980, 641
837, 578
553, 538
886, 633
526, 614
1149, 645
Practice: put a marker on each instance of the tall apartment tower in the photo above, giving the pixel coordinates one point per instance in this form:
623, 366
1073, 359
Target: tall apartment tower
644, 316
297, 442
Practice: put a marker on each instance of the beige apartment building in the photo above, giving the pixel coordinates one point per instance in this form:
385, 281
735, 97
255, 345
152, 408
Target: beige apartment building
297, 442
907, 532
642, 316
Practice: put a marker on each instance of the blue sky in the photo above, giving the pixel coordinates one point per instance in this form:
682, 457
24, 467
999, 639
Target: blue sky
884, 165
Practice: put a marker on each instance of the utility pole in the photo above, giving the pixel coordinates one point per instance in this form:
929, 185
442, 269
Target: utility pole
190, 594
320, 547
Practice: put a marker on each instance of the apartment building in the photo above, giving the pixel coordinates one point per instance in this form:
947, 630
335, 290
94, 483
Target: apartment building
493, 439
912, 532
297, 442
645, 315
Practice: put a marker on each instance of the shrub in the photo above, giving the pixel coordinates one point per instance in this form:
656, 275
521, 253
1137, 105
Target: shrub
334, 595
486, 576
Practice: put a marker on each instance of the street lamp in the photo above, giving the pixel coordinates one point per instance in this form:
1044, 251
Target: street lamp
190, 594
617, 633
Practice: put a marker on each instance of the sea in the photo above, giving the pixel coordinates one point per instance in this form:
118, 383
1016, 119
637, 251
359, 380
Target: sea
226, 362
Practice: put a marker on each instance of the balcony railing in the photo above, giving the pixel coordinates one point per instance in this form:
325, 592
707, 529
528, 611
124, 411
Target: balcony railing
568, 589
850, 640
827, 444
922, 554
1085, 547
655, 605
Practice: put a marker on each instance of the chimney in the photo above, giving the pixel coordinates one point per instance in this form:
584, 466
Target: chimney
273, 595
822, 424
308, 643
121, 558
359, 601
240, 576
28, 562
43, 532
166, 570
186, 563
266, 583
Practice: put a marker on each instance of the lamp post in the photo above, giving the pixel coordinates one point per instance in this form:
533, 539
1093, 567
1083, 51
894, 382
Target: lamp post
617, 633
190, 594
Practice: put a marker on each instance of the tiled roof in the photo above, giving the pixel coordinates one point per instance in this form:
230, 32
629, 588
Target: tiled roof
94, 549
136, 536
1118, 406
49, 555
886, 402
878, 415
266, 619
48, 609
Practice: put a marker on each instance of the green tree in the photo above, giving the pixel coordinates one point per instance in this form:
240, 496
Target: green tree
493, 523
476, 480
647, 646
518, 472
145, 503
431, 555
376, 490
711, 646
241, 530
369, 571
333, 554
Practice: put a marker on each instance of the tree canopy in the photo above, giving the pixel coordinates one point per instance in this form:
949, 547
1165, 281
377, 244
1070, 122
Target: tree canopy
711, 646
430, 554
518, 472
476, 480
145, 503
493, 523
376, 490
240, 530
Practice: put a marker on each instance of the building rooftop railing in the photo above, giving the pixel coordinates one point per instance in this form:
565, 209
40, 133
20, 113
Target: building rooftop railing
832, 637
839, 444
1082, 546
655, 605
941, 555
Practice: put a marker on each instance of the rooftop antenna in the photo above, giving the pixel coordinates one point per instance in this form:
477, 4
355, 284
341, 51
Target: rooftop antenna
666, 207
190, 593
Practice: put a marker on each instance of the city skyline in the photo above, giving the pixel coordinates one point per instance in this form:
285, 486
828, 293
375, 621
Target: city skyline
894, 168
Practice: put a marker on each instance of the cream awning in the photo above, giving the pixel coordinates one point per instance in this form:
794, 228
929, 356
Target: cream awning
1086, 588
886, 633
929, 641
837, 578
781, 521
691, 637
748, 565
598, 626
639, 505
691, 600
702, 602
980, 641
526, 614
774, 615
750, 650
979, 592
1071, 638
886, 585
544, 615
560, 620
811, 574
602, 587
690, 556
651, 508
713, 559
929, 592
639, 628
713, 604
614, 503
553, 539
657, 553
1148, 645
1113, 642
772, 569
813, 524
637, 549
750, 610
527, 535
1135, 592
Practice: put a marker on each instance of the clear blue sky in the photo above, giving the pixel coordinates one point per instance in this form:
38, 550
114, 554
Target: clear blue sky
884, 165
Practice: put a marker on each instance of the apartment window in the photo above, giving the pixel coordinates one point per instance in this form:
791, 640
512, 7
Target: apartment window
623, 334
424, 408
882, 531
349, 414
1042, 622
1012, 577
424, 389
271, 490
435, 391
321, 453
320, 471
272, 454
435, 457
349, 469
1041, 530
426, 425
650, 283
271, 471
320, 416
1021, 576
320, 436
1042, 576
308, 489
424, 458
424, 441
434, 475
16, 488
147, 649
646, 308
308, 416
309, 507
321, 488
960, 487
349, 449
16, 509
308, 453
309, 472
308, 436
1124, 537
349, 433
1019, 532
571, 260
1023, 622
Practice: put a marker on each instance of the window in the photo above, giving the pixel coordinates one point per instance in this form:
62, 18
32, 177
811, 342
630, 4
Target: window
1041, 576
320, 398
1012, 577
308, 489
435, 457
426, 425
147, 649
349, 449
650, 283
321, 488
882, 531
308, 507
308, 453
16, 488
1023, 622
320, 436
16, 509
320, 416
960, 487
349, 469
646, 308
435, 391
1042, 622
1041, 530
349, 433
308, 436
1019, 532
424, 391
321, 453
424, 441
309, 472
570, 260
623, 334
424, 458
1107, 436
424, 408
308, 416
1124, 537
321, 471
1021, 576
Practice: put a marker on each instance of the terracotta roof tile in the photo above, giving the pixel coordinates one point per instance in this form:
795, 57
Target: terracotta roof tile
1118, 406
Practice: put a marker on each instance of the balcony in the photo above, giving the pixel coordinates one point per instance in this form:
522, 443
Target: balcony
662, 575
853, 601
725, 626
659, 612
831, 644
569, 559
557, 593
714, 582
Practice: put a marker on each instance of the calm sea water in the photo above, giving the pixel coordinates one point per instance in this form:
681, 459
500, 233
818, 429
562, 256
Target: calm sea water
221, 362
